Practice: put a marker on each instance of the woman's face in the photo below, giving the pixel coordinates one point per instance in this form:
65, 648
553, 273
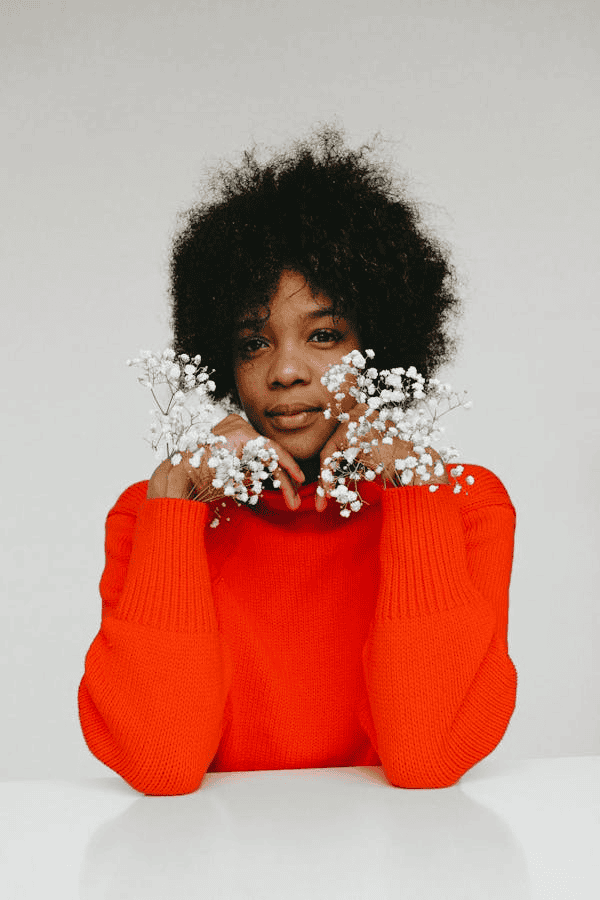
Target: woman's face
278, 366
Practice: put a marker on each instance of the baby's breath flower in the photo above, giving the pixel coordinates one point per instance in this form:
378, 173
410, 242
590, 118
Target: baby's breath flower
183, 422
408, 409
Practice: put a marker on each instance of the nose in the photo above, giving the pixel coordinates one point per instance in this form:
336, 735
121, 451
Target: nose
288, 367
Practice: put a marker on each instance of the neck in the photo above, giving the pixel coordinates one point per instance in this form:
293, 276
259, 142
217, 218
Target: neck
311, 469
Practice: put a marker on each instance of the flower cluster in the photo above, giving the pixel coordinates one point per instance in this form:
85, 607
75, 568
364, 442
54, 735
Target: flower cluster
400, 405
183, 418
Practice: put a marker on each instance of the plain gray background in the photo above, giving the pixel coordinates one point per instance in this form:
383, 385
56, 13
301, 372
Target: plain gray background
114, 112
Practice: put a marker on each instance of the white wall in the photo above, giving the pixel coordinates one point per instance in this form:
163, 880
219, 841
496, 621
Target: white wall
114, 113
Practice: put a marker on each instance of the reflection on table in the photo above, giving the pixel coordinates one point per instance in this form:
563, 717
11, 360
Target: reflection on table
528, 829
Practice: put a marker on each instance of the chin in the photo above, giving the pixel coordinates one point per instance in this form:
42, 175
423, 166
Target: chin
303, 447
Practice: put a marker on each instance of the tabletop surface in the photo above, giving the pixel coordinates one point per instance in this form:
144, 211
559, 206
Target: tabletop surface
525, 829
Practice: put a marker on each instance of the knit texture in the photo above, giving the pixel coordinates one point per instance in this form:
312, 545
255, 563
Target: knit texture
283, 640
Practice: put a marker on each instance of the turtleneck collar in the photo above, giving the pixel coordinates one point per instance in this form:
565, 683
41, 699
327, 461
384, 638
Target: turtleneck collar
274, 499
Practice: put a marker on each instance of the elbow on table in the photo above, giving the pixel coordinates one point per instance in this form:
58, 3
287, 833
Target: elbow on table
410, 780
172, 765
162, 778
436, 770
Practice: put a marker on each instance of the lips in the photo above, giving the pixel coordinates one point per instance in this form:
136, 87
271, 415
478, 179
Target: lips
289, 418
291, 409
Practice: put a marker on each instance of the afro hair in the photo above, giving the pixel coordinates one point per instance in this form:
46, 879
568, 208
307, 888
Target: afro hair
337, 217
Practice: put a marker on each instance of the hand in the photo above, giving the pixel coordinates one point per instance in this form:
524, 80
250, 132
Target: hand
182, 480
381, 454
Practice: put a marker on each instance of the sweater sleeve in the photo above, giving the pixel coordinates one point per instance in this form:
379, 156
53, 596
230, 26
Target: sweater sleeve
441, 686
157, 675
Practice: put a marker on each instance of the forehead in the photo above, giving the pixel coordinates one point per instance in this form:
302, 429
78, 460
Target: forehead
301, 312
292, 301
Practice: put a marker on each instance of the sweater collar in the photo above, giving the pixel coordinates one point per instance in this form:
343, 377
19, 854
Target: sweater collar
274, 499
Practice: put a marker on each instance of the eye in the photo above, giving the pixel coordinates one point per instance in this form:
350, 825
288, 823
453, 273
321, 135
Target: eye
249, 346
326, 335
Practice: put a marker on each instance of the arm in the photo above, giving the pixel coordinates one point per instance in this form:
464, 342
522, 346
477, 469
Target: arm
440, 683
152, 699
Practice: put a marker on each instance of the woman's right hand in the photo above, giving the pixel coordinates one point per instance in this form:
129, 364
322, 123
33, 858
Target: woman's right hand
180, 481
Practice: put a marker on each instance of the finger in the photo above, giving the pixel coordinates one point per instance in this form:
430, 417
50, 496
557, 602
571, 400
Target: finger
287, 462
292, 500
321, 502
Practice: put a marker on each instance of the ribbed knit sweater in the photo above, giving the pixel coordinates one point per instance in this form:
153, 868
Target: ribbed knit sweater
284, 640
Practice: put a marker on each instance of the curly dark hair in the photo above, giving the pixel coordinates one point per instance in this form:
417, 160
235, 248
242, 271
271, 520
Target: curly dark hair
337, 217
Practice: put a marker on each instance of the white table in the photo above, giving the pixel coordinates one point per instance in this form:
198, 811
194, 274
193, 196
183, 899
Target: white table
527, 829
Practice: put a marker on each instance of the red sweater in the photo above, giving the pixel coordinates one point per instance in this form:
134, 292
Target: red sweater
284, 640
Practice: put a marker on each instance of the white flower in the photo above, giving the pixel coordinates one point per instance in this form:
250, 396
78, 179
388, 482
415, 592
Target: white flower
355, 358
409, 409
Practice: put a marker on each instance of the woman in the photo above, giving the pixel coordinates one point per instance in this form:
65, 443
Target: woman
289, 637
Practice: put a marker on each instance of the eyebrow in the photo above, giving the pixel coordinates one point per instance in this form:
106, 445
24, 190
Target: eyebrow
256, 323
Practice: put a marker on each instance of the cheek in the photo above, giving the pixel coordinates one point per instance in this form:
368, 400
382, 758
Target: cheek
244, 383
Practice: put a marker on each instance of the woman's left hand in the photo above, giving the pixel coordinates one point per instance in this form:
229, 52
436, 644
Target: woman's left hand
381, 454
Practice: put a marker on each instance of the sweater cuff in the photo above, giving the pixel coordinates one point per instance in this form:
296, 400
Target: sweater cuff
168, 582
423, 554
